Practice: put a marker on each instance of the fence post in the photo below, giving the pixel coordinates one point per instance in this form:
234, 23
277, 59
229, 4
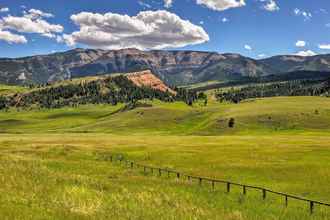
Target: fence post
188, 178
131, 165
286, 201
144, 170
178, 175
200, 181
159, 172
228, 187
110, 158
168, 174
152, 171
311, 206
263, 194
244, 190
213, 185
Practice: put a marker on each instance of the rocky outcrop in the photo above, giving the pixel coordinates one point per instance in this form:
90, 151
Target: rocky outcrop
146, 78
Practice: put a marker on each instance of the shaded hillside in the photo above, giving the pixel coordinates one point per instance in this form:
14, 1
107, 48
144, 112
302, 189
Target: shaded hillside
289, 88
291, 63
283, 77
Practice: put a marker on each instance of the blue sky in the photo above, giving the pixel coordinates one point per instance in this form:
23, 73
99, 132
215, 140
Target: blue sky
247, 27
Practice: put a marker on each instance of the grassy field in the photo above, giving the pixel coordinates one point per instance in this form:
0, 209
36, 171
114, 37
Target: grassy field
280, 115
54, 162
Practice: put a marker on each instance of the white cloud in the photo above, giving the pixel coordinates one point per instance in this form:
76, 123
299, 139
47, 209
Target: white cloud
4, 9
247, 47
147, 30
307, 15
306, 53
35, 14
262, 55
324, 46
300, 43
31, 22
168, 3
12, 38
224, 20
28, 25
271, 5
221, 5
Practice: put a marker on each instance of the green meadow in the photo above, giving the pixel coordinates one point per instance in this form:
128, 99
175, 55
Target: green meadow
55, 163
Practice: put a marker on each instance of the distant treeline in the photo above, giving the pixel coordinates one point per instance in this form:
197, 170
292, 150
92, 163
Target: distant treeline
289, 88
110, 90
297, 75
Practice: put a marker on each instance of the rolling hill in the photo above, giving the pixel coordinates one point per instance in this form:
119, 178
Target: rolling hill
108, 89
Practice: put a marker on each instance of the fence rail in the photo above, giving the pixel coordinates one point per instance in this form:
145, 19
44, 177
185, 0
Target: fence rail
201, 180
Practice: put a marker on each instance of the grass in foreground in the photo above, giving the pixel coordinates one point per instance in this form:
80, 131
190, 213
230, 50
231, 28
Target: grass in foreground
67, 176
53, 163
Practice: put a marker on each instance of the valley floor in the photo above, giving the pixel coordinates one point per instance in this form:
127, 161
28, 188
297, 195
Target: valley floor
54, 162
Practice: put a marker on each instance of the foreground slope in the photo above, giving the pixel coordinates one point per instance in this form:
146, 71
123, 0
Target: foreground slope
50, 170
69, 176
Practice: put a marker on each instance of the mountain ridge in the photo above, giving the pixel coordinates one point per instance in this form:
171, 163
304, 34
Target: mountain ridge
174, 67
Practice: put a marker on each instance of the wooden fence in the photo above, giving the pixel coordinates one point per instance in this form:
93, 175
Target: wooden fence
264, 192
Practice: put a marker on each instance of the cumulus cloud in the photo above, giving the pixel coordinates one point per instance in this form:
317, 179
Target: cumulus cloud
307, 15
146, 30
35, 14
27, 25
300, 43
270, 5
261, 55
306, 53
324, 46
12, 38
31, 22
247, 47
4, 9
221, 5
168, 3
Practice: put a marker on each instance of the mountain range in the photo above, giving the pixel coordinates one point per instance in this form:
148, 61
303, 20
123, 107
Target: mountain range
173, 67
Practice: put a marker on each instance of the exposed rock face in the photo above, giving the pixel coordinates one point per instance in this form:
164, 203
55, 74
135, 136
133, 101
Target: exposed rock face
173, 67
146, 78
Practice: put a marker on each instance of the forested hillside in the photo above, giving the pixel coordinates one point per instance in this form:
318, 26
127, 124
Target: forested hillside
97, 90
272, 89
